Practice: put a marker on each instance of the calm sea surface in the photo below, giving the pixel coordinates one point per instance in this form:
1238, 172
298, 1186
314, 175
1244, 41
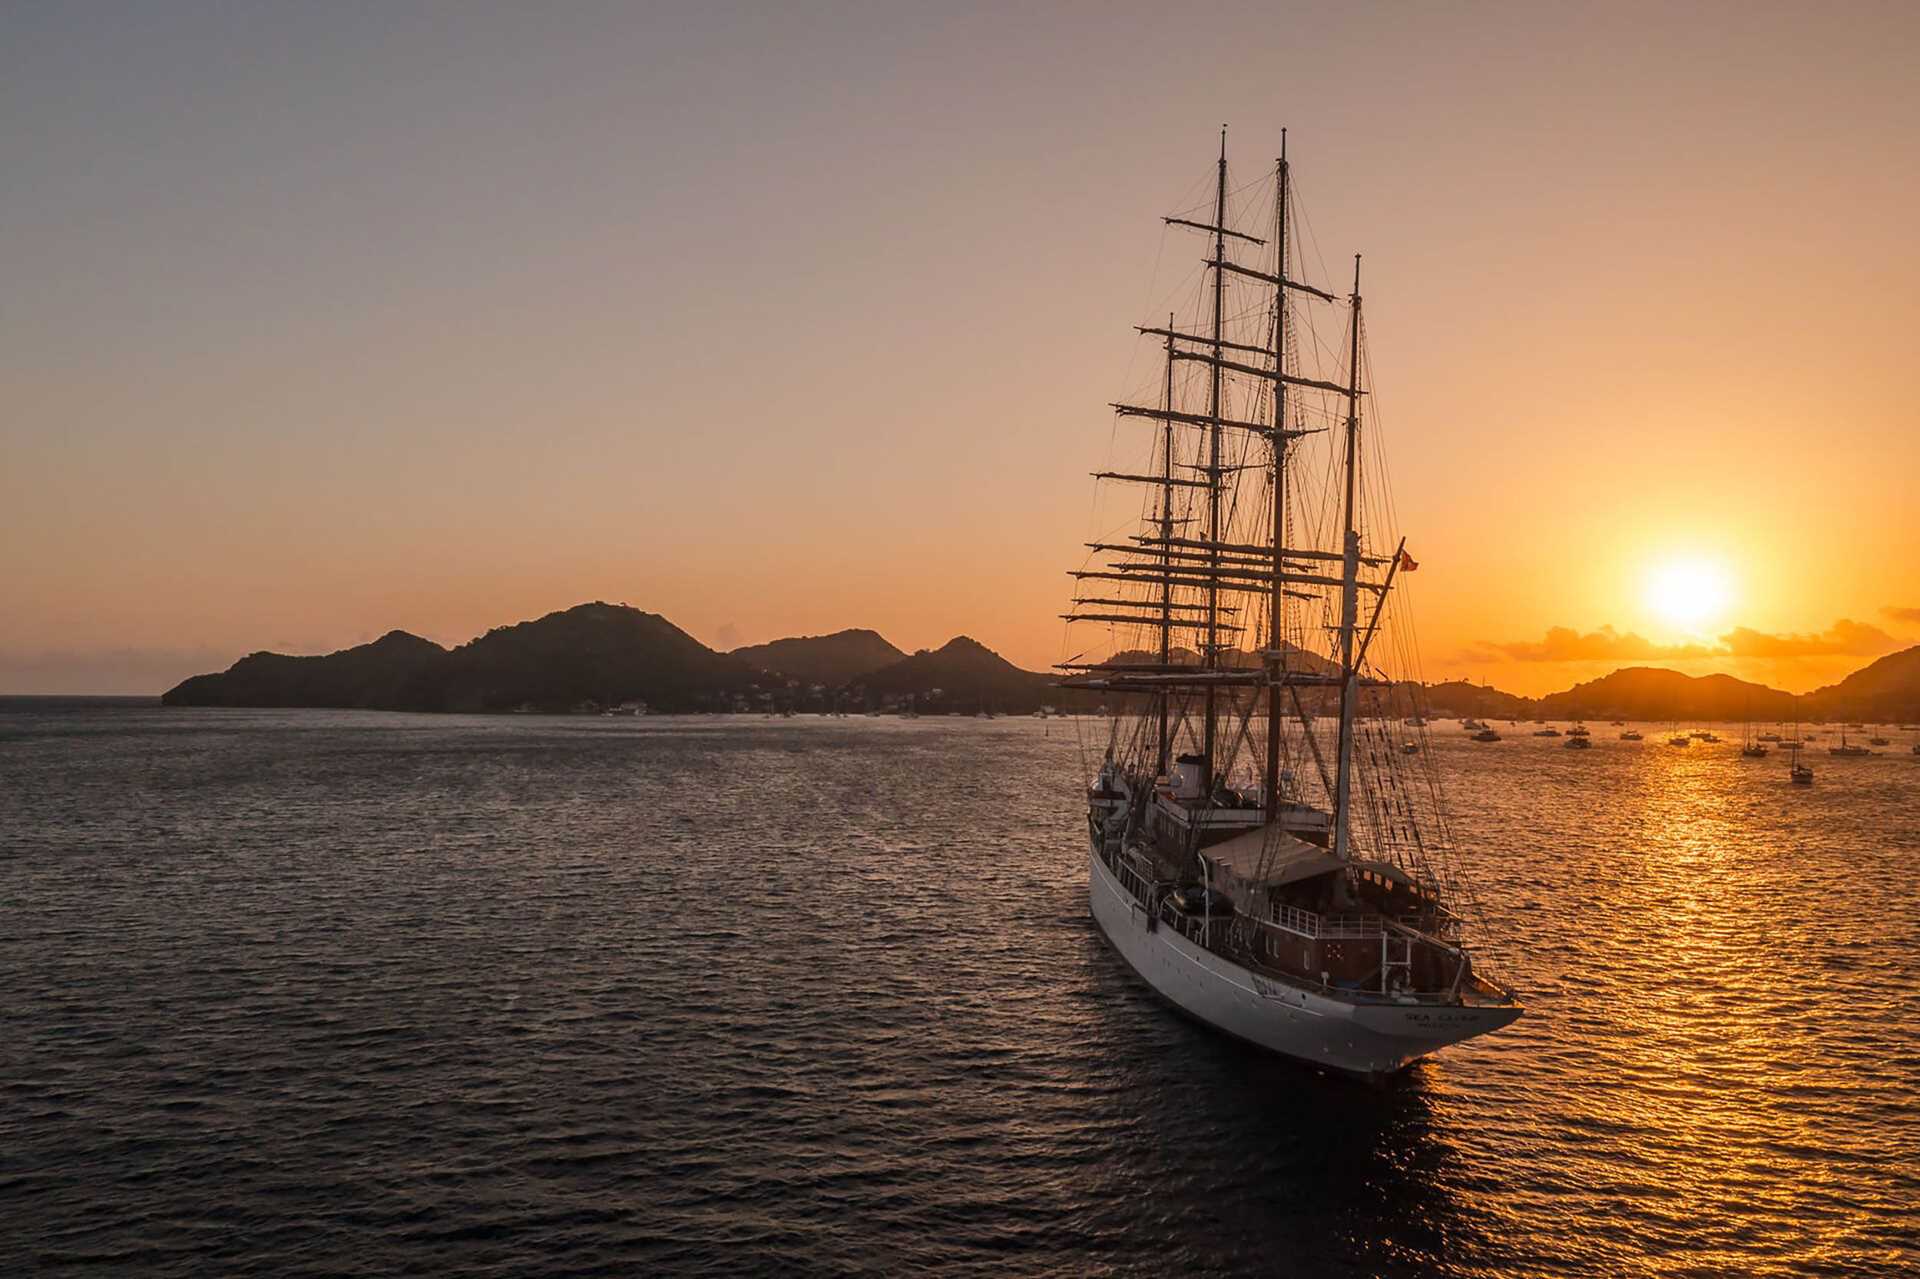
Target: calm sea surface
328, 992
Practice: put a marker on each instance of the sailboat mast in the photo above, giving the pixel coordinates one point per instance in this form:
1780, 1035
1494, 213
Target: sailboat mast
1274, 610
1166, 548
1213, 444
1349, 594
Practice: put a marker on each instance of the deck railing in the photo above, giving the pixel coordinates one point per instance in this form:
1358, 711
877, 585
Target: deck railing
1307, 923
1304, 923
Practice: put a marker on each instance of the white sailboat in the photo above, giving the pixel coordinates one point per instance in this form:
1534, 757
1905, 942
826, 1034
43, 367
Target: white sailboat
1258, 850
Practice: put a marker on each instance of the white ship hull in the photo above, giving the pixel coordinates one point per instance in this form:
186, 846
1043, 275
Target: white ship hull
1371, 1040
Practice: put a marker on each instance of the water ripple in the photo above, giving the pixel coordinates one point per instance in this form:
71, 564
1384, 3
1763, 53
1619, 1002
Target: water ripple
317, 992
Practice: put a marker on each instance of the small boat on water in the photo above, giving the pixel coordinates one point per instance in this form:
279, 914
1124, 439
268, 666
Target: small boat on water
1546, 732
1579, 730
1847, 748
1579, 743
1799, 774
1679, 739
1632, 735
1878, 741
1410, 748
1486, 735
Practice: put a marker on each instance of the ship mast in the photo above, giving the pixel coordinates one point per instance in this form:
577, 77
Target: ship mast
1212, 660
1166, 549
1271, 789
1205, 562
1349, 593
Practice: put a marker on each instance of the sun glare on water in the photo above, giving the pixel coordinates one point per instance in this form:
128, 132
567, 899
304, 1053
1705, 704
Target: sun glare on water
1689, 594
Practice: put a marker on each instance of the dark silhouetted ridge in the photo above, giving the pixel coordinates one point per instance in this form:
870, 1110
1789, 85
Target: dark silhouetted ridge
833, 659
394, 670
1654, 693
963, 675
1459, 697
1887, 689
598, 654
591, 653
607, 654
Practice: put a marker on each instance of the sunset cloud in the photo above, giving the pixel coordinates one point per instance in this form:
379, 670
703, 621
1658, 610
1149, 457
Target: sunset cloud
1899, 614
1845, 638
1564, 644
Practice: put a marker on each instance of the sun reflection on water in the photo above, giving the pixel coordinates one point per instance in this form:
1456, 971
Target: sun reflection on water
1705, 1017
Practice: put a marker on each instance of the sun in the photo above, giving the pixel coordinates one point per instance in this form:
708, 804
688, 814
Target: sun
1689, 593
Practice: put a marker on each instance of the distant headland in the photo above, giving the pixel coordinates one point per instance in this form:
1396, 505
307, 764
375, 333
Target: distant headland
610, 656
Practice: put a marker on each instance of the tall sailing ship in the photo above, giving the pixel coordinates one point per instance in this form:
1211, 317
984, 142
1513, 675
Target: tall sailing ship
1262, 850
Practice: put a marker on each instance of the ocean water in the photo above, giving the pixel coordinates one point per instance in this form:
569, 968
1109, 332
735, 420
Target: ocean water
288, 993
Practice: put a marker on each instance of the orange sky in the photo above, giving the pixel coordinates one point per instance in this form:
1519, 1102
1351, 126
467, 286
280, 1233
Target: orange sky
320, 323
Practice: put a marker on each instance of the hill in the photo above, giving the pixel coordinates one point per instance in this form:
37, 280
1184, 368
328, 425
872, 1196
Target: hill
602, 653
963, 676
1458, 697
1654, 693
395, 670
606, 654
593, 653
1888, 689
835, 659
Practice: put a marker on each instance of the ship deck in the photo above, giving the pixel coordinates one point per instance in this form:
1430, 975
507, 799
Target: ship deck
1217, 936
